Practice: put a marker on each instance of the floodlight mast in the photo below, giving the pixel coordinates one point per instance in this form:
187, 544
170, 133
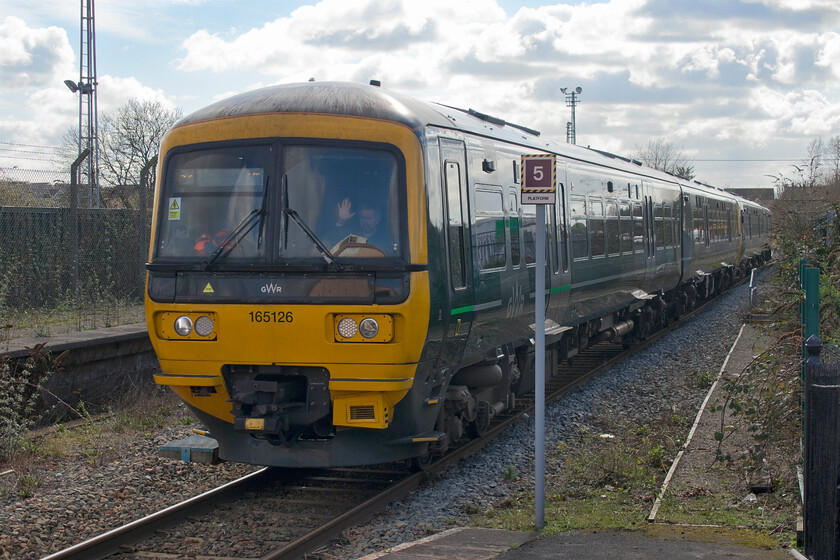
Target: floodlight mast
88, 114
571, 101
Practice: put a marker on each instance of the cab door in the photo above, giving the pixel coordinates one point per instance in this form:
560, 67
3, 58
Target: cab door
460, 277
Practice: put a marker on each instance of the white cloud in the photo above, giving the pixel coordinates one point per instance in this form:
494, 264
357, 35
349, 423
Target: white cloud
829, 54
807, 113
32, 57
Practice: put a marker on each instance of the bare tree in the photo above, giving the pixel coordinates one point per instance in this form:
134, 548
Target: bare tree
811, 166
129, 138
832, 156
666, 156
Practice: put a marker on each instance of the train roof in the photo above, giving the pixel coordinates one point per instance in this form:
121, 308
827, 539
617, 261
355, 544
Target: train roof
375, 102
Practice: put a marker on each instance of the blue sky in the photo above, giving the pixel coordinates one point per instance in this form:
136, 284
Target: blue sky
723, 79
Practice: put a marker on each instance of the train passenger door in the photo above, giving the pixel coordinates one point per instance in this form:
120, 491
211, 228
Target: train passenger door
460, 277
559, 280
649, 238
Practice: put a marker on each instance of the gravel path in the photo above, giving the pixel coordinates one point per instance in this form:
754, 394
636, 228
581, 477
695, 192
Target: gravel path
77, 500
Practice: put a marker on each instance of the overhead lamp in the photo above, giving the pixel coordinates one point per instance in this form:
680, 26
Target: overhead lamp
80, 87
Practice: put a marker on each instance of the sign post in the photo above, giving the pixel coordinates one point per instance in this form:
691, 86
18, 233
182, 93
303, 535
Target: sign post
539, 186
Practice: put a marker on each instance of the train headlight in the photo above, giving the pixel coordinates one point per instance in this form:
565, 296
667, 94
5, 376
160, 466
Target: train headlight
369, 328
204, 326
183, 325
347, 327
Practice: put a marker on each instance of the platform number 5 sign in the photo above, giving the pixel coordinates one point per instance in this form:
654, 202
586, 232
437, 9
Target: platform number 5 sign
539, 179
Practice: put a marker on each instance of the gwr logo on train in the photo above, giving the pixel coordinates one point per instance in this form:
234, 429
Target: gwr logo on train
516, 302
271, 288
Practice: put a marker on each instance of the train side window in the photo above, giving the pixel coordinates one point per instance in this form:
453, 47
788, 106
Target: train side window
698, 223
577, 209
529, 231
667, 225
611, 233
489, 246
638, 228
596, 227
515, 218
626, 228
456, 224
659, 226
728, 223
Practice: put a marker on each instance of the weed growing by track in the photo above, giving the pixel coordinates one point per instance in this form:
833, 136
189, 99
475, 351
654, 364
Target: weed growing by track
97, 440
20, 392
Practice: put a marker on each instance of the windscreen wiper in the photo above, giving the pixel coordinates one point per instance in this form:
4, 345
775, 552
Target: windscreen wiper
328, 256
235, 236
262, 213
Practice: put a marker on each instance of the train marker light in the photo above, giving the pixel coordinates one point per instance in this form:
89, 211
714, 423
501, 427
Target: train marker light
204, 326
183, 325
368, 328
347, 327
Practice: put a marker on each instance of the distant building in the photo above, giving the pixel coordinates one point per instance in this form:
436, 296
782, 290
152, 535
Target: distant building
756, 194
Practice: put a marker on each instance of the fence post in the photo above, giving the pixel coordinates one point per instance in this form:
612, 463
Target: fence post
822, 454
811, 285
74, 219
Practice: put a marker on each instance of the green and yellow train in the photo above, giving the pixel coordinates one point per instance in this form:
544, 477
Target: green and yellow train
342, 275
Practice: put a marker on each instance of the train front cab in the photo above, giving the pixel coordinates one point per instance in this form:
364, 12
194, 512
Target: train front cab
271, 346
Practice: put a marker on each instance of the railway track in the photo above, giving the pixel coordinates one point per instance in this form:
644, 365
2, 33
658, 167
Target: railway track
284, 513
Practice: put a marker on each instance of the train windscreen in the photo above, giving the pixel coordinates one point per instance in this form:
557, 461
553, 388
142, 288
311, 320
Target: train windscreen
213, 202
273, 203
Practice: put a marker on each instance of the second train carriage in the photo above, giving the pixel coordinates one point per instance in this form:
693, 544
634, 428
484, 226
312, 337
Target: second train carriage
342, 275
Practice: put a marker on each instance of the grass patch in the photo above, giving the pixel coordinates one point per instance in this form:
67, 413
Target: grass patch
609, 481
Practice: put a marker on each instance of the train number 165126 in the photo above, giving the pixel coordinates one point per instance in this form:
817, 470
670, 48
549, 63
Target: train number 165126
271, 316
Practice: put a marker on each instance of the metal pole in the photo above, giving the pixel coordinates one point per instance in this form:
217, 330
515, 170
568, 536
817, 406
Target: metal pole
74, 218
539, 365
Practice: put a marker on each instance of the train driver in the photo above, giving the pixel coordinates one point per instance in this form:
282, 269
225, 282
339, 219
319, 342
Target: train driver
368, 218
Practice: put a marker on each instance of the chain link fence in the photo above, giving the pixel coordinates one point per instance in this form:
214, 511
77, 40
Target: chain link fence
65, 266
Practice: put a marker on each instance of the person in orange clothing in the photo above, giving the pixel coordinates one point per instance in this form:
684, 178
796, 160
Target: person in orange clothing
206, 244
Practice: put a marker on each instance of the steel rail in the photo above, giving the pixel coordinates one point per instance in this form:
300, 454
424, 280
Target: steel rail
110, 542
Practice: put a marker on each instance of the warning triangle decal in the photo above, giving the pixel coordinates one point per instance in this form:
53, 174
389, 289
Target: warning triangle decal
208, 289
174, 205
